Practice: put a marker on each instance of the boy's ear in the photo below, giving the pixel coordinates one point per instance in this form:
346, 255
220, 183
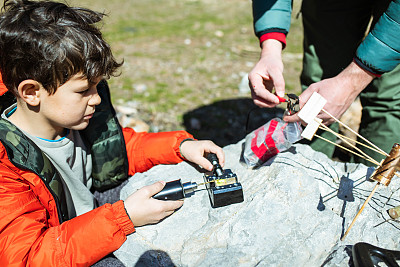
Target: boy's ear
28, 91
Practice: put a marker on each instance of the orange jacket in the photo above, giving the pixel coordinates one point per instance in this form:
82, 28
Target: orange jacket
30, 230
3, 88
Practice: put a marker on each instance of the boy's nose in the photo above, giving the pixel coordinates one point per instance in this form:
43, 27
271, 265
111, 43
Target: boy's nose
95, 99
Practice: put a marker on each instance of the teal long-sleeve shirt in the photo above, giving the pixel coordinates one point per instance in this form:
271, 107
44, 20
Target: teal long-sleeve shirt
378, 53
380, 50
271, 16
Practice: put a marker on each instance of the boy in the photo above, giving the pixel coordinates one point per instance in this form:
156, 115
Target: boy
61, 139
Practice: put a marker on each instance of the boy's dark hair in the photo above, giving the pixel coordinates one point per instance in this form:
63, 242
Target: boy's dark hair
50, 42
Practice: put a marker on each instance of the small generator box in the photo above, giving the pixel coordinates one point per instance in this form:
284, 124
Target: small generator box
223, 189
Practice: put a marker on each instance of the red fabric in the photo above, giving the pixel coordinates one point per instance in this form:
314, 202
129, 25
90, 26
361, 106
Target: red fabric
30, 233
362, 67
268, 148
3, 88
274, 35
146, 150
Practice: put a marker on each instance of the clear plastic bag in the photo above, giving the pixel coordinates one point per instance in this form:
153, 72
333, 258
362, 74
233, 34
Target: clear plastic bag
273, 137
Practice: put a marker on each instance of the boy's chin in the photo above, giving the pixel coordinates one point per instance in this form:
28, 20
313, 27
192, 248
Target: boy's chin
81, 126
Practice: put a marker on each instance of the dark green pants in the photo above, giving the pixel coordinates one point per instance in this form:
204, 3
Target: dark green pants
333, 30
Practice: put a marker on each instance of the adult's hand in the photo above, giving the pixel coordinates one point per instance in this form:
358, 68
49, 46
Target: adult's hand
340, 92
267, 75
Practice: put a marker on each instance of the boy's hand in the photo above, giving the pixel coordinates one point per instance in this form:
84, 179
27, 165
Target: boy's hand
143, 209
196, 151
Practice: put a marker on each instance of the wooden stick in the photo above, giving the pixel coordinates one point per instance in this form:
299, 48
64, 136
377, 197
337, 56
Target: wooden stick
345, 148
359, 212
360, 143
348, 128
326, 128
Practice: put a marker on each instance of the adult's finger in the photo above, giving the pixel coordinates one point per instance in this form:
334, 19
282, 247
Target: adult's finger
256, 80
278, 81
291, 118
260, 91
266, 101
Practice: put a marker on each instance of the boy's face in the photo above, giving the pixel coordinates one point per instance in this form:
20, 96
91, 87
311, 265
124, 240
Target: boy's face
71, 106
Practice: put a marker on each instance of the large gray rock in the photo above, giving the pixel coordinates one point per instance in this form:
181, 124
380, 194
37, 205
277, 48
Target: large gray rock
296, 208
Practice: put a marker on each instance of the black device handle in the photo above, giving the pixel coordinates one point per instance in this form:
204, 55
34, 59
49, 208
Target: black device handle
172, 191
217, 169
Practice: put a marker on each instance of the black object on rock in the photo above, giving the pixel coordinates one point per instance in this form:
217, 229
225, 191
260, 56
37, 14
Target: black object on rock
367, 255
222, 185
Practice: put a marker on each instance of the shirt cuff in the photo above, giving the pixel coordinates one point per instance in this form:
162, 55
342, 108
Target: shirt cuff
369, 70
281, 37
122, 217
184, 136
184, 140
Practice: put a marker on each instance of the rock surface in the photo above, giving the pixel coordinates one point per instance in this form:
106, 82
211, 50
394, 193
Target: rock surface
296, 208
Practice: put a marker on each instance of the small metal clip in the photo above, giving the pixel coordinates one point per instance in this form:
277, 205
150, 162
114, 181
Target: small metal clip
293, 105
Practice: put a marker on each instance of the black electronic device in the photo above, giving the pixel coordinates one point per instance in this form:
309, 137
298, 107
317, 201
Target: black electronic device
222, 185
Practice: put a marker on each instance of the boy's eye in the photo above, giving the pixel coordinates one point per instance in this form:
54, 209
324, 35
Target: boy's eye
84, 91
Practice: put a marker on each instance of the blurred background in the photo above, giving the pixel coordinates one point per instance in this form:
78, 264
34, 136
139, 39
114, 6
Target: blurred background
186, 64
